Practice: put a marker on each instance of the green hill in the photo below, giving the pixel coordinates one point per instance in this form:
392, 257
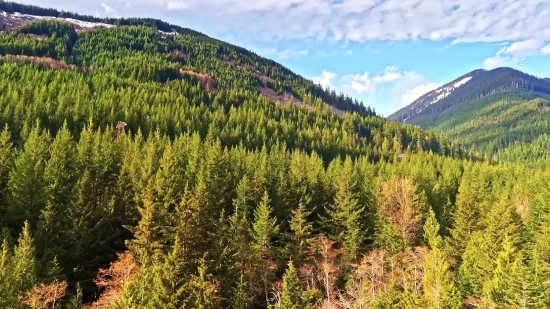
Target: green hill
493, 122
470, 87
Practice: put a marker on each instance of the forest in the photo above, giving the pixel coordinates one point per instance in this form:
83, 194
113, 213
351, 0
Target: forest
142, 170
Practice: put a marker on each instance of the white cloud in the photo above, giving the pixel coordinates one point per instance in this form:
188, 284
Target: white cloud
359, 20
358, 83
412, 94
499, 61
523, 49
545, 50
283, 54
361, 83
524, 24
325, 79
108, 9
515, 52
128, 4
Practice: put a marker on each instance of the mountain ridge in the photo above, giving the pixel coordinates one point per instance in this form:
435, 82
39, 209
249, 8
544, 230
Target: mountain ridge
271, 79
469, 87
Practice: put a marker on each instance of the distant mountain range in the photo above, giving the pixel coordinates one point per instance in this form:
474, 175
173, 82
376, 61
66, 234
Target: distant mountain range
470, 87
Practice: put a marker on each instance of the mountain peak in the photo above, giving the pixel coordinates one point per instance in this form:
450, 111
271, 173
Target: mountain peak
471, 86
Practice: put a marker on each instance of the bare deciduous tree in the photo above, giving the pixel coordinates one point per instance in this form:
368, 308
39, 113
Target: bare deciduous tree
45, 296
113, 279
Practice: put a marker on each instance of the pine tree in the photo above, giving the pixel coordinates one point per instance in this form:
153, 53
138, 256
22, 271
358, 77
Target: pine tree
76, 301
18, 272
26, 184
292, 297
203, 290
148, 234
502, 223
263, 229
7, 154
240, 226
60, 173
301, 236
439, 287
502, 287
466, 216
431, 231
345, 216
240, 299
6, 275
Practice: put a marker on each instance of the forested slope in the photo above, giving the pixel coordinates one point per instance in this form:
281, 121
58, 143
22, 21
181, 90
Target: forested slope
470, 87
145, 170
493, 123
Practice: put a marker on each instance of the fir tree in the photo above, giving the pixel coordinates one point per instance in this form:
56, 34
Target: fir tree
345, 215
292, 297
264, 228
301, 236
26, 184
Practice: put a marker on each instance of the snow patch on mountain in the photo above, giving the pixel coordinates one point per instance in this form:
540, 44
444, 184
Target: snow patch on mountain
18, 19
446, 91
168, 33
86, 24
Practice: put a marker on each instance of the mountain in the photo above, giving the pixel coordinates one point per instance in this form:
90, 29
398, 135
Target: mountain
272, 80
145, 165
486, 111
470, 87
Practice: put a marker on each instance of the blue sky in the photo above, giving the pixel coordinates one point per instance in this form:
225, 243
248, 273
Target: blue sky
384, 52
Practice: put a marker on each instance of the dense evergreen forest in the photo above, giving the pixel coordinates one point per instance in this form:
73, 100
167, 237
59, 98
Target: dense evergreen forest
145, 170
494, 124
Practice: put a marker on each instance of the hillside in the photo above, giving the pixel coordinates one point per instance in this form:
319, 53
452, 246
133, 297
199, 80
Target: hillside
470, 87
485, 110
145, 165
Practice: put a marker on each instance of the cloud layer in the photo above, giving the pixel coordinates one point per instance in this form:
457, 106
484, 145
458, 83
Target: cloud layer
399, 88
363, 20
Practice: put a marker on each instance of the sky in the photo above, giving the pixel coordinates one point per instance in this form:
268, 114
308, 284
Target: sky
386, 53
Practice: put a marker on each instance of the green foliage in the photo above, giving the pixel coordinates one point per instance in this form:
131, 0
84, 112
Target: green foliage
499, 126
212, 188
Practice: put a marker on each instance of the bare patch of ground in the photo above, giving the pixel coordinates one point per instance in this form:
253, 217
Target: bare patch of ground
206, 80
48, 62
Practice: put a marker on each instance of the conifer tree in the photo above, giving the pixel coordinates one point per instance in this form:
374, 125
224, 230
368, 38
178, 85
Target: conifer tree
76, 301
440, 290
203, 290
148, 234
466, 216
301, 235
345, 216
7, 154
6, 275
240, 299
263, 229
240, 226
292, 297
26, 184
18, 272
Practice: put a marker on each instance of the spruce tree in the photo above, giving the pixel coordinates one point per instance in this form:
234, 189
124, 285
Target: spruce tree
292, 296
264, 228
27, 186
149, 234
7, 154
301, 236
440, 290
345, 218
